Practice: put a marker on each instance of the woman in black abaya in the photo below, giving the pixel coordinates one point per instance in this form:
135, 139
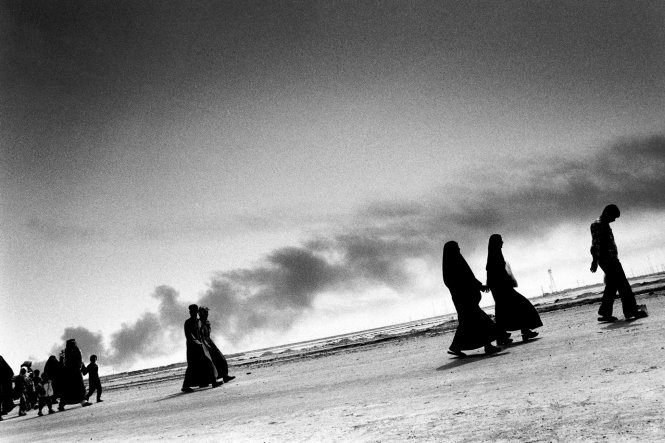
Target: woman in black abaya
512, 310
6, 389
72, 386
54, 370
475, 329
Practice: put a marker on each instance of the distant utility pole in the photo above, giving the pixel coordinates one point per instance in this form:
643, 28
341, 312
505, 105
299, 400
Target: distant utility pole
552, 284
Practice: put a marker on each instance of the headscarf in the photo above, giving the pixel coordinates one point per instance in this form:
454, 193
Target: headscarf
52, 367
610, 211
454, 268
495, 258
6, 371
72, 354
497, 274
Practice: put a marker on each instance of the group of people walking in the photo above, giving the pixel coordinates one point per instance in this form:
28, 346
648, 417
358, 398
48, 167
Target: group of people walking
512, 310
60, 383
206, 365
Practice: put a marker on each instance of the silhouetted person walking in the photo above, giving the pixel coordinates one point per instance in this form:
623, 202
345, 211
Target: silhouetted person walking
6, 389
217, 357
72, 386
511, 309
20, 383
200, 369
475, 328
53, 368
604, 254
94, 383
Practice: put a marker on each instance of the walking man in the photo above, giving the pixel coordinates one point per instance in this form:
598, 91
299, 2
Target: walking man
201, 370
604, 254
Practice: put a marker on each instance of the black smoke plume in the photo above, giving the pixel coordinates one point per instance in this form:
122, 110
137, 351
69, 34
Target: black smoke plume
528, 202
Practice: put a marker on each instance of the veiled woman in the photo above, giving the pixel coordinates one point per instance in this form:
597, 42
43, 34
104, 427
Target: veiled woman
475, 329
72, 389
53, 369
6, 390
512, 310
217, 357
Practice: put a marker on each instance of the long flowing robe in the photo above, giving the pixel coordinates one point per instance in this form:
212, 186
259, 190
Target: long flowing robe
53, 368
512, 310
72, 388
217, 357
6, 391
201, 370
475, 329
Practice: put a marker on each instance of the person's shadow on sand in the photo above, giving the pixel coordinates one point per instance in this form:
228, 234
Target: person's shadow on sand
522, 343
622, 324
172, 396
461, 361
180, 394
43, 416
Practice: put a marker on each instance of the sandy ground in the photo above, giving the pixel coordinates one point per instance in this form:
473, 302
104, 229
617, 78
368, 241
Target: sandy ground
581, 381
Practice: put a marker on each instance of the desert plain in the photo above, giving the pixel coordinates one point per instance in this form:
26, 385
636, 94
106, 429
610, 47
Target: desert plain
579, 381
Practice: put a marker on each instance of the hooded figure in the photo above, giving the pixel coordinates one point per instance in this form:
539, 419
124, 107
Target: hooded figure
72, 388
512, 310
6, 390
53, 368
475, 329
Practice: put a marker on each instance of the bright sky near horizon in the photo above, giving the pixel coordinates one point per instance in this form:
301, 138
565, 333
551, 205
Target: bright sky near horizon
298, 165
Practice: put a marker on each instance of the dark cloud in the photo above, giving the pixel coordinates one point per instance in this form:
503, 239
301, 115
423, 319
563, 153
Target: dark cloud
630, 173
170, 309
137, 340
74, 72
88, 342
272, 295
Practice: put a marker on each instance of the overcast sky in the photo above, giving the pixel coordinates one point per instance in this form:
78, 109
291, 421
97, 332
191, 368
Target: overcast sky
294, 164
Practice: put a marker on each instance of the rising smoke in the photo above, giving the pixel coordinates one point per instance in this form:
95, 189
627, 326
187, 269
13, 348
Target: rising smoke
272, 295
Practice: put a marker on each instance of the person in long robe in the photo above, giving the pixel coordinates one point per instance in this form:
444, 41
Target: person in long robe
218, 358
511, 309
53, 368
475, 329
201, 370
72, 388
6, 388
